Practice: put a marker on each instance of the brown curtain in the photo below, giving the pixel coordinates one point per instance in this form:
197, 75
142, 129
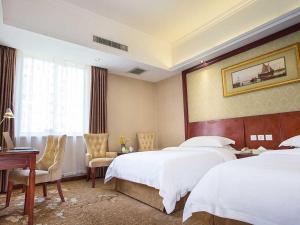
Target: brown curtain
98, 106
7, 77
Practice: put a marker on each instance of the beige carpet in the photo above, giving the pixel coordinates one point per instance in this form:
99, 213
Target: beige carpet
85, 206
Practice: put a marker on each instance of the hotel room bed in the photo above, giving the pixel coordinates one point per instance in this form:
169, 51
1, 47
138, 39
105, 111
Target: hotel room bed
261, 190
163, 178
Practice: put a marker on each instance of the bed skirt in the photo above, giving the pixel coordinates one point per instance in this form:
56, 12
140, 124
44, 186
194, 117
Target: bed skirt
204, 218
145, 194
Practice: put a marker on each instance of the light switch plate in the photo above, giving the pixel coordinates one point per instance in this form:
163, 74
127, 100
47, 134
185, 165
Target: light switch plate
261, 137
269, 137
253, 138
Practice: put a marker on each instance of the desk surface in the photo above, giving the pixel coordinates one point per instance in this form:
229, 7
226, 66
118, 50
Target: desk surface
18, 152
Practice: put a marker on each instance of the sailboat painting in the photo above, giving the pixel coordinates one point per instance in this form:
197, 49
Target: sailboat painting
272, 69
259, 73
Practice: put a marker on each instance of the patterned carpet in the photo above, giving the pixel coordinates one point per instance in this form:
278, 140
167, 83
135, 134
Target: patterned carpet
85, 206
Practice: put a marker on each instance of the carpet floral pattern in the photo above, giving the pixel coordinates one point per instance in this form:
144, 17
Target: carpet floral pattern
84, 206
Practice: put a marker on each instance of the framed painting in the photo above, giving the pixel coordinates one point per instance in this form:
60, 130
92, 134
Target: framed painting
272, 69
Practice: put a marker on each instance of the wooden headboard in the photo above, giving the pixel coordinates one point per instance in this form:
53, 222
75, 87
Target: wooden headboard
280, 125
230, 128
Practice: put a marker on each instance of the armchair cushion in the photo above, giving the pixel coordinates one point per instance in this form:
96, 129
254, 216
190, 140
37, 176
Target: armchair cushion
111, 154
20, 176
100, 162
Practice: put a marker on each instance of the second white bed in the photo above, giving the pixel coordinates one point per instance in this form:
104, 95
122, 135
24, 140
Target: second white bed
261, 190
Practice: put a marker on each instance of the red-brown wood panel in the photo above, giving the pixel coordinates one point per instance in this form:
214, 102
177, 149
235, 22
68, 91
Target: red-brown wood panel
263, 125
230, 128
290, 124
280, 125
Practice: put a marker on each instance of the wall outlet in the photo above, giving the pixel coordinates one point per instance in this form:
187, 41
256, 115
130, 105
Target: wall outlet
261, 137
269, 137
253, 138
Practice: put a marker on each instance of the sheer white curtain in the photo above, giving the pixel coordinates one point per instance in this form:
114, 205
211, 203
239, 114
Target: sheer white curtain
53, 98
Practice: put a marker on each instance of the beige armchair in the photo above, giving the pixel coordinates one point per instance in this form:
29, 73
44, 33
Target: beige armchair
146, 141
97, 155
48, 168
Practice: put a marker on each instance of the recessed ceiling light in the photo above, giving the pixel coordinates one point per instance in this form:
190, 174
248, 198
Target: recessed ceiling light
202, 61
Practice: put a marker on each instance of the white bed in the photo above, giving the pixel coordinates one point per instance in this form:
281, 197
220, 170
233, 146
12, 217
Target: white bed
174, 171
261, 190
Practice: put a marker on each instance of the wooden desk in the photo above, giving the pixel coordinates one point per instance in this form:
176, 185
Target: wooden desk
22, 159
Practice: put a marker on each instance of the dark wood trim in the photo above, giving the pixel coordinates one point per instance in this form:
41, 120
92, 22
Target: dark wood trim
59, 189
185, 105
209, 62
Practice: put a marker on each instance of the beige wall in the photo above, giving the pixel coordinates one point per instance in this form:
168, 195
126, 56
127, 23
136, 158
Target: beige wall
131, 107
205, 97
170, 115
134, 105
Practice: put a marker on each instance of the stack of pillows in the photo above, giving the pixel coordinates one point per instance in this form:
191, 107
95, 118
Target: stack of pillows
291, 142
209, 141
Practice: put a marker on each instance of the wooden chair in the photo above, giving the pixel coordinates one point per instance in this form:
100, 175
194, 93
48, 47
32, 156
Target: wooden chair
49, 169
97, 155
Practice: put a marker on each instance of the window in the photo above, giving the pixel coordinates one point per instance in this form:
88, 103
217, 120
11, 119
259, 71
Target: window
52, 97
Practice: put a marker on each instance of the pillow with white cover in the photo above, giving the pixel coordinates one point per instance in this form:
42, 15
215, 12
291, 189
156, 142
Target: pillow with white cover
207, 141
291, 142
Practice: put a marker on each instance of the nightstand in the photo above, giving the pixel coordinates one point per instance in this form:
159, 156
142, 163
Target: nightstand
244, 155
123, 153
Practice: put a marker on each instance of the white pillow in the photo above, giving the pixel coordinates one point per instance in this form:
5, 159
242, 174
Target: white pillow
292, 142
207, 141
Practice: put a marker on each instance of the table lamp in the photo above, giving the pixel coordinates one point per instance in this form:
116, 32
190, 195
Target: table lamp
7, 115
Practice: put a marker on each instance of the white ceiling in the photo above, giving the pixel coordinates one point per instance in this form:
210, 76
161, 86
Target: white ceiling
169, 20
164, 36
43, 46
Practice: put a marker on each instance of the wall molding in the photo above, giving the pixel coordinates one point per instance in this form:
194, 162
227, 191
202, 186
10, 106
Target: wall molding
229, 54
259, 32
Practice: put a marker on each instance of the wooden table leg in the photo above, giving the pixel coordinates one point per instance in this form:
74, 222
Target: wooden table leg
30, 190
4, 178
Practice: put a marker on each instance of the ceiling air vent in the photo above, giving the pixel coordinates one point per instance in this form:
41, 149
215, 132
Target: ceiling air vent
110, 43
137, 71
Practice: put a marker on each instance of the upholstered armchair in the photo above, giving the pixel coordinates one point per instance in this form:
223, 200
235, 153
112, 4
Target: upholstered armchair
146, 141
48, 168
97, 155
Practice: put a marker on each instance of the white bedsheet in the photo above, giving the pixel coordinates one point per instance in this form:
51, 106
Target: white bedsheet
261, 190
173, 171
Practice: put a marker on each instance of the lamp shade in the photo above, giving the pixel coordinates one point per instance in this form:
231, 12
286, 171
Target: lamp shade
8, 114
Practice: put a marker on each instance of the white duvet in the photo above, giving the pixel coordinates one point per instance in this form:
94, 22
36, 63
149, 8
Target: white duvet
261, 190
173, 171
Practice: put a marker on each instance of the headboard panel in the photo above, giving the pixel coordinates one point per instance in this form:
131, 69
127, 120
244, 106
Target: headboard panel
280, 125
290, 124
263, 125
230, 128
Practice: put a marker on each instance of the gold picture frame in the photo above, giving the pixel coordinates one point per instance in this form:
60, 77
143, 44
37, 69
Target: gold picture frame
272, 69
